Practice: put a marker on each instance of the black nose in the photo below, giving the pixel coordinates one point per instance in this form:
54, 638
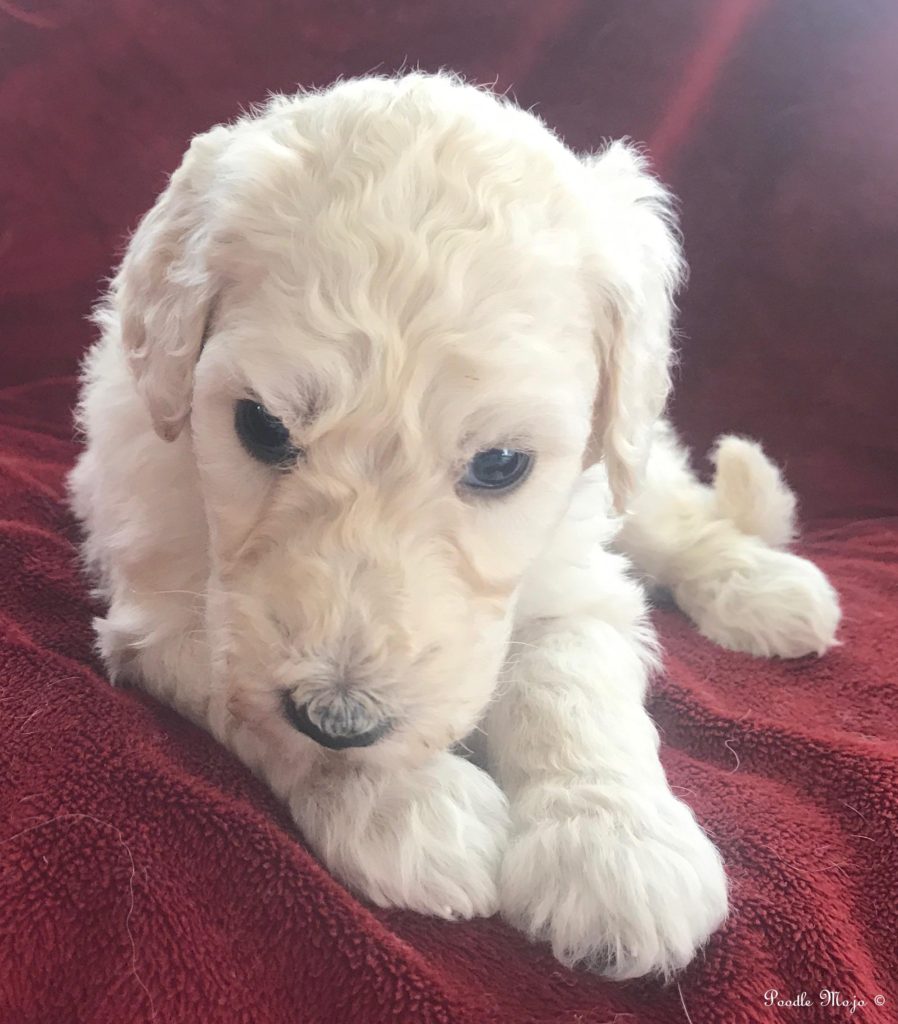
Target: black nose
337, 720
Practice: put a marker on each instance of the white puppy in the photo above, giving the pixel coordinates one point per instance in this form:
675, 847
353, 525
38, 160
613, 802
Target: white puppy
372, 374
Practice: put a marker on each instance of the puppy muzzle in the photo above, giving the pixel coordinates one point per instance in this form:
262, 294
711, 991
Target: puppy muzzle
338, 719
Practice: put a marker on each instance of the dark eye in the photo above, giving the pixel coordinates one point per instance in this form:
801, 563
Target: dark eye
496, 469
263, 435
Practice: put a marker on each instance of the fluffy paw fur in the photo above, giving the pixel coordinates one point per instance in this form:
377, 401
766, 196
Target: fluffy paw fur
771, 603
428, 839
625, 895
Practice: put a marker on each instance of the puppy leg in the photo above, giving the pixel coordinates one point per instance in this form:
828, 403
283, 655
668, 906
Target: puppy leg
719, 550
604, 861
429, 838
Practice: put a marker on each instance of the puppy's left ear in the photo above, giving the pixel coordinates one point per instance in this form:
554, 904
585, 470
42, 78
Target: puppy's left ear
635, 265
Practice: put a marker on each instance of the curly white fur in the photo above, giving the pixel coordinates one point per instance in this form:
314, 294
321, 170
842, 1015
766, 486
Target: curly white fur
406, 272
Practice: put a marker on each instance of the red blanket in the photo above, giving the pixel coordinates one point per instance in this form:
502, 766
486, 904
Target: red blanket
144, 874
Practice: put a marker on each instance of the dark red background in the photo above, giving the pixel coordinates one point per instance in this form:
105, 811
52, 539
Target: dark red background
775, 122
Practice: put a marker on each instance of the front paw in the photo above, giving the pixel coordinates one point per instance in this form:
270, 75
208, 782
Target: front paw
627, 894
429, 839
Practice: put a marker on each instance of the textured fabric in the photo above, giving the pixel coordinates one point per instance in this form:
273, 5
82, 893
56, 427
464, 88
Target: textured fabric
144, 874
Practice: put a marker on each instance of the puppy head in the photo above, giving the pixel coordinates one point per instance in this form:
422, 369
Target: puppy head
390, 323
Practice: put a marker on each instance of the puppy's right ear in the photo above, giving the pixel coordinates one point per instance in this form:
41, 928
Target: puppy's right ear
164, 288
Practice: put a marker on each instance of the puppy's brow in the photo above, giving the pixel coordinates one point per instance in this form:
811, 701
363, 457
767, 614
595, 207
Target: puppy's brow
299, 407
313, 403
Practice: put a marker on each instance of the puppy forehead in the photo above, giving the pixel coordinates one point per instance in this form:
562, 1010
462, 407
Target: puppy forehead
418, 178
414, 240
419, 129
459, 395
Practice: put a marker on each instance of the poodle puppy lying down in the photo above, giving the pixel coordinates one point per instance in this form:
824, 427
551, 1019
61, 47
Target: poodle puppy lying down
372, 450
